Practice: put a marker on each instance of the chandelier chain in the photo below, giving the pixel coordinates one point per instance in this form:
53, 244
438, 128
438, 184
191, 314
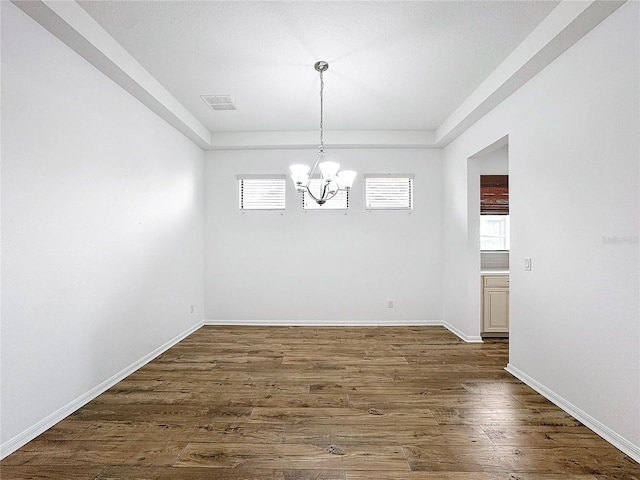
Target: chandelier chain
321, 112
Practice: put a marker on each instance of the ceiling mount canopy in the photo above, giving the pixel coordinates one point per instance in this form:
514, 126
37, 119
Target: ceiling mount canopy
321, 66
331, 181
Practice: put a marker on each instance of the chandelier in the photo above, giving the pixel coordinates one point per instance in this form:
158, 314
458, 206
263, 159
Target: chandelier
331, 181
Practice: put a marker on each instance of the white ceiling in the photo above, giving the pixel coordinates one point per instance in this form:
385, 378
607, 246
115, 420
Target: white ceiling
402, 73
394, 65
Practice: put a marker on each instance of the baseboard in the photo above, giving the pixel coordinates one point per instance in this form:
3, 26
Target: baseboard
462, 335
25, 437
350, 323
325, 323
587, 420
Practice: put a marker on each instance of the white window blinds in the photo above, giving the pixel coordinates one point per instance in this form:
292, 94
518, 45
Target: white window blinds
389, 191
339, 202
258, 192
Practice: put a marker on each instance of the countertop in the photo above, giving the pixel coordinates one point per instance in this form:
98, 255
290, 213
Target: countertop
489, 271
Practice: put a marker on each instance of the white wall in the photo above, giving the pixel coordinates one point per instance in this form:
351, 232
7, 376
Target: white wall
102, 235
573, 152
300, 267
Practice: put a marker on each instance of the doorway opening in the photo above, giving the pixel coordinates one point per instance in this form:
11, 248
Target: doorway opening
489, 239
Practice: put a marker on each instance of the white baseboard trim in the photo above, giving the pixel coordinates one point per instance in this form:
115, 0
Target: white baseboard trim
462, 335
323, 323
597, 427
342, 323
32, 432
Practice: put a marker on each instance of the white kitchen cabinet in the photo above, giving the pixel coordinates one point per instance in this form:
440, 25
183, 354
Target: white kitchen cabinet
495, 304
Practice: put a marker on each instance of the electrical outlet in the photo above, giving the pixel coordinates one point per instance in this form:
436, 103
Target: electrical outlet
192, 308
390, 304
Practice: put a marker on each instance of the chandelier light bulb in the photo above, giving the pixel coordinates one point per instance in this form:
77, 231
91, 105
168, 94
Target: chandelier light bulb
299, 174
346, 178
328, 170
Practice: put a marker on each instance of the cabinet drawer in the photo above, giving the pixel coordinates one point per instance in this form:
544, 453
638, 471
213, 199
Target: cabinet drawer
496, 281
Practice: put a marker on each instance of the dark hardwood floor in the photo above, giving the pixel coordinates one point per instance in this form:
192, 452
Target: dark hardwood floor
240, 403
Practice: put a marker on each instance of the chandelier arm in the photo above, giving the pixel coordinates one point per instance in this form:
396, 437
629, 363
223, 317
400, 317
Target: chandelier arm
311, 194
315, 165
332, 195
324, 189
323, 197
323, 193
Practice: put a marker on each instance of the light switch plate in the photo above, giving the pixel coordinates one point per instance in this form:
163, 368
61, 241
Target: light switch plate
527, 263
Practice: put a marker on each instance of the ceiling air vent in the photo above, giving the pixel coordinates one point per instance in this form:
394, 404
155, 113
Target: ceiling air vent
219, 102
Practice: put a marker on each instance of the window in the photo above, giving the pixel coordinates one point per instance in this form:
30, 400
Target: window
494, 232
494, 212
339, 202
261, 192
389, 191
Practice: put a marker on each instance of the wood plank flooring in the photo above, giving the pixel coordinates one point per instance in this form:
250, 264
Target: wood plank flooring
277, 403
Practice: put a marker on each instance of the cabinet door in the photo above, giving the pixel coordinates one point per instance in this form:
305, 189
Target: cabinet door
496, 309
